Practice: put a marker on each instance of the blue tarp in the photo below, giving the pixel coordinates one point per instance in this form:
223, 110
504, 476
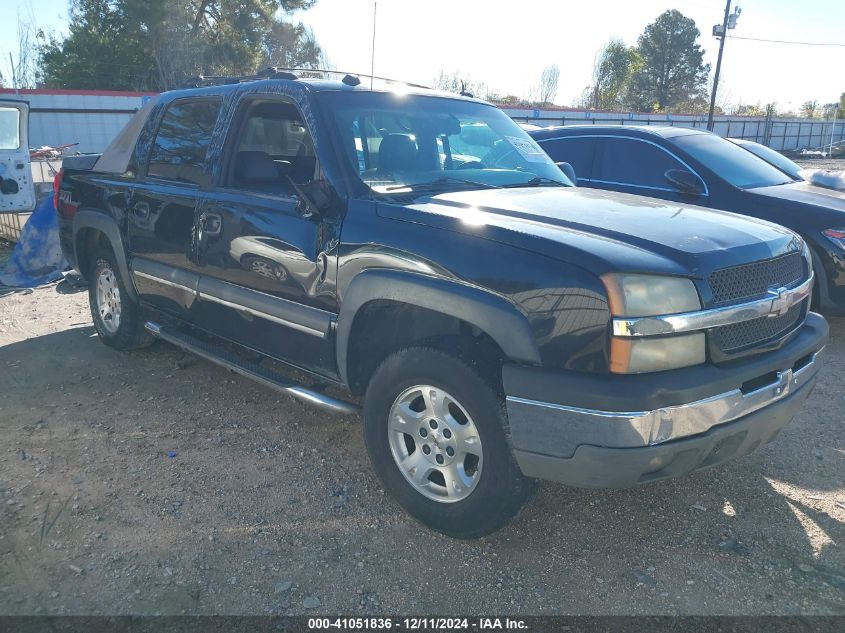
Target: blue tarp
37, 258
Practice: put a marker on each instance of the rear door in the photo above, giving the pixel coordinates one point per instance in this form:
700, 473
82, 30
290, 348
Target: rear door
17, 192
162, 206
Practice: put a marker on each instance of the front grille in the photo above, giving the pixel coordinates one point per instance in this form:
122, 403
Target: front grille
731, 339
748, 282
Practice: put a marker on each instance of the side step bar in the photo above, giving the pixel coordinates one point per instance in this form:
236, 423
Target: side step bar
266, 377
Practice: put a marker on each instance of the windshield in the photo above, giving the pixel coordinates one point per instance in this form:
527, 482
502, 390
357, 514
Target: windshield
739, 167
400, 144
775, 158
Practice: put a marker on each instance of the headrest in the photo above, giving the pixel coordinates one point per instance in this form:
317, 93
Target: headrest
397, 152
252, 166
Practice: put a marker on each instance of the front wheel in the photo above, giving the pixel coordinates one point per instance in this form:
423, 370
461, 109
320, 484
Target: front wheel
435, 433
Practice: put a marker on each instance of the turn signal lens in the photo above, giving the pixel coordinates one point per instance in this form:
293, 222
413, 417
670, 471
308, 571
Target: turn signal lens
837, 236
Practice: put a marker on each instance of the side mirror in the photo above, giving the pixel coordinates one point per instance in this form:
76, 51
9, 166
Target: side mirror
684, 181
568, 171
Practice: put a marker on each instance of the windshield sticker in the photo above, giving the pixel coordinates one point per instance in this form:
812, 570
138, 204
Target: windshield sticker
529, 150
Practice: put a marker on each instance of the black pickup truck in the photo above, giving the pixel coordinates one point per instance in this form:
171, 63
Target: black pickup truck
420, 252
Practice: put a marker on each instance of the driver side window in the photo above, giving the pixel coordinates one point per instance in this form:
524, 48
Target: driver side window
273, 151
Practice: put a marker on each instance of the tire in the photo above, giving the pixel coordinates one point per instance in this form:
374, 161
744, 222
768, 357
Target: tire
817, 302
487, 488
264, 267
117, 318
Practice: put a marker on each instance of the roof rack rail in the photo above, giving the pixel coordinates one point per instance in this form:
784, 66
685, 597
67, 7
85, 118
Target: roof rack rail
325, 71
273, 72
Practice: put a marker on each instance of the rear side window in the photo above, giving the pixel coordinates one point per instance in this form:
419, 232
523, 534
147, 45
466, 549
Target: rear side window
180, 146
634, 162
576, 151
10, 128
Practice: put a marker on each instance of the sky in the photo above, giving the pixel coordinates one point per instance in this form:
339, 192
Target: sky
507, 44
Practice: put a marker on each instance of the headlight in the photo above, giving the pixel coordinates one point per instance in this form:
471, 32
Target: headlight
640, 355
837, 236
652, 295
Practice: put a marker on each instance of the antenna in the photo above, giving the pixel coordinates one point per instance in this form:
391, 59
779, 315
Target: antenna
373, 51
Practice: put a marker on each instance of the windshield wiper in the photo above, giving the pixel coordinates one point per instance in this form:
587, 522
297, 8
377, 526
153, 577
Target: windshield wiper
536, 182
442, 181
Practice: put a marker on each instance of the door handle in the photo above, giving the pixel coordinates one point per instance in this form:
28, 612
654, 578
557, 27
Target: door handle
211, 223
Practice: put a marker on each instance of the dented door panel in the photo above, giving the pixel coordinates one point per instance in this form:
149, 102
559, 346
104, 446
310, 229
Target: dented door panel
264, 247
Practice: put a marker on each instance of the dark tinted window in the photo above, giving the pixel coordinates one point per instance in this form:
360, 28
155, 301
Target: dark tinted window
736, 165
634, 162
576, 151
182, 140
775, 158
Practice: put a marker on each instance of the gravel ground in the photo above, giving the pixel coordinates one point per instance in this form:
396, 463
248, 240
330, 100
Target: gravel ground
153, 482
821, 163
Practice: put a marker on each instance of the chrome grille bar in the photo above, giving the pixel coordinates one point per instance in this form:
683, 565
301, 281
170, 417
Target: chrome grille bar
775, 305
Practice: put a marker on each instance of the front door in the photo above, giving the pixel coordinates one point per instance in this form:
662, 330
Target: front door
639, 166
17, 193
162, 206
267, 259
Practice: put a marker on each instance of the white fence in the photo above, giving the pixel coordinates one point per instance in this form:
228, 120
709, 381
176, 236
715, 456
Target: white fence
92, 118
776, 132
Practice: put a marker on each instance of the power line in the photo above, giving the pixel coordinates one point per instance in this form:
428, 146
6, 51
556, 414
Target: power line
760, 39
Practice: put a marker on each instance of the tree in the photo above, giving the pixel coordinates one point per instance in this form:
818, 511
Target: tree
158, 44
750, 110
612, 71
672, 73
458, 82
290, 45
809, 108
841, 113
547, 88
100, 51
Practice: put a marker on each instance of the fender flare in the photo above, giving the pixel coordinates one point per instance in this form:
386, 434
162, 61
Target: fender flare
94, 219
496, 316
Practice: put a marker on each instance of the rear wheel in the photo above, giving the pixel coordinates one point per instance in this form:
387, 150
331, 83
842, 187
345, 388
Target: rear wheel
116, 317
435, 433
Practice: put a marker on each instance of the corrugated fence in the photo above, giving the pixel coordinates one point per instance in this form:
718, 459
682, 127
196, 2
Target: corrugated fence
779, 133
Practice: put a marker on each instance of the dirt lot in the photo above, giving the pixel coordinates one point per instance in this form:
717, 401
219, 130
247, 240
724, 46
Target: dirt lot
152, 482
821, 163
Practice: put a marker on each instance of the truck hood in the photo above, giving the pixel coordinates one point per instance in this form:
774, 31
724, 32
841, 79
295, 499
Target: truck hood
604, 231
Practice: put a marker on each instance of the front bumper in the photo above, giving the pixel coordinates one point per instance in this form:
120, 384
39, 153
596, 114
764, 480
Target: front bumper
701, 417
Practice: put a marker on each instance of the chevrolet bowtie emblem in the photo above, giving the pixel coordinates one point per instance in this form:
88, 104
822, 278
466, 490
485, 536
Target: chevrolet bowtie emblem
781, 301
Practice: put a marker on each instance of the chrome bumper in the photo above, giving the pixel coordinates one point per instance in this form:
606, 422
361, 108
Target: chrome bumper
576, 426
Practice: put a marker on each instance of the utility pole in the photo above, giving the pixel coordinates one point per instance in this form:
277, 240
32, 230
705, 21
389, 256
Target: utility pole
722, 33
373, 51
14, 74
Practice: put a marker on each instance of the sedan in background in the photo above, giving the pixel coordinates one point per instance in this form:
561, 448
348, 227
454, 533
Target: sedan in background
831, 178
773, 157
696, 167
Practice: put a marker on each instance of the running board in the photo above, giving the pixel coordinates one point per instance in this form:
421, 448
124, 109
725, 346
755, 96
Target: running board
266, 377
